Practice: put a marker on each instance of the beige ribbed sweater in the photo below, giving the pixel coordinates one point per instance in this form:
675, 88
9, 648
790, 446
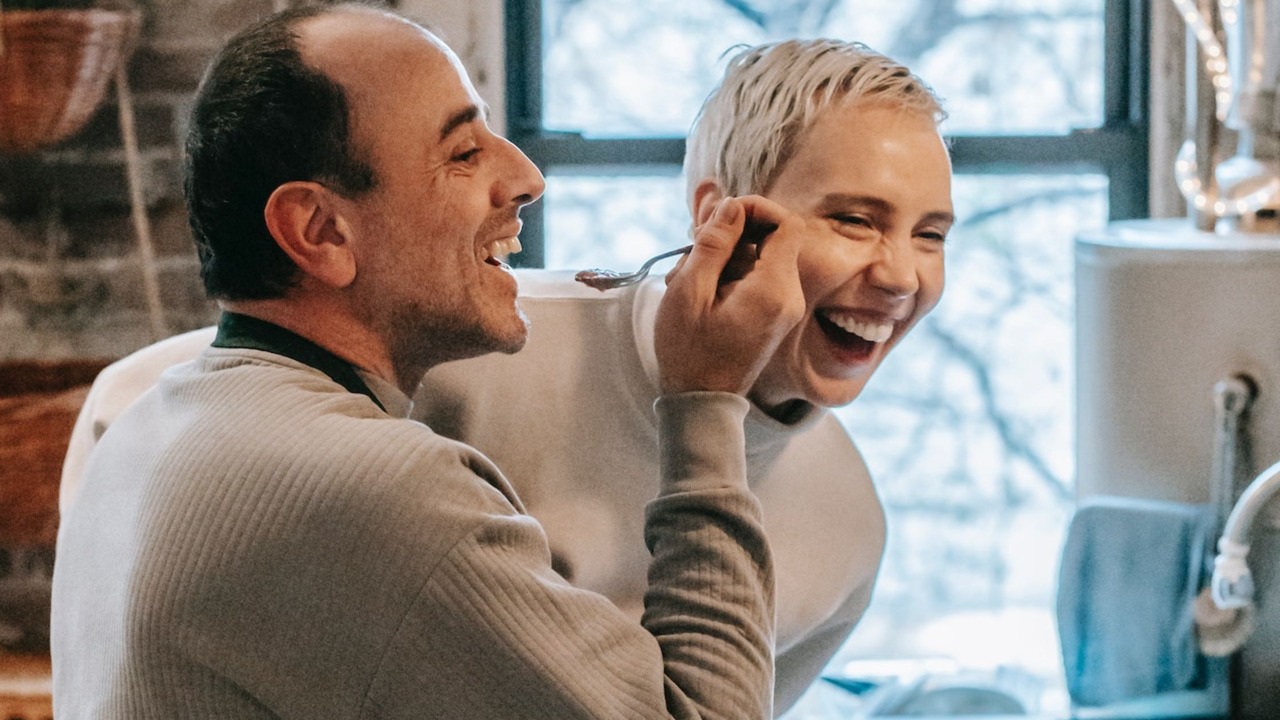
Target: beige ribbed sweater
253, 541
583, 389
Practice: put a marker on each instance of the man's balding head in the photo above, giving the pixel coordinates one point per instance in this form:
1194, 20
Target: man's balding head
275, 106
383, 64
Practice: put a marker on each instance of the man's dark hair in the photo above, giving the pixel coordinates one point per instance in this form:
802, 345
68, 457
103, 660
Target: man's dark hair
262, 118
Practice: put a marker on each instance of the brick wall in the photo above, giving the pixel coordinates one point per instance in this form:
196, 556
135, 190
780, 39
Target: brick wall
71, 282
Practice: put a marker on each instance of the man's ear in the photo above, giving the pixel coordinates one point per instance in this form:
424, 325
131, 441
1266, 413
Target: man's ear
706, 196
308, 225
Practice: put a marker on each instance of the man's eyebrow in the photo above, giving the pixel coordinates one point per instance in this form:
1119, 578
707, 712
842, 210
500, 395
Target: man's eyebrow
458, 119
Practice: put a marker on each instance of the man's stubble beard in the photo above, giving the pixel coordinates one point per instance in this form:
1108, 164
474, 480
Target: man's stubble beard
422, 339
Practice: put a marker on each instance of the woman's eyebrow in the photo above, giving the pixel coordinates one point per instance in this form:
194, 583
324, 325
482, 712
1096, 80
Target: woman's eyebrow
837, 201
940, 216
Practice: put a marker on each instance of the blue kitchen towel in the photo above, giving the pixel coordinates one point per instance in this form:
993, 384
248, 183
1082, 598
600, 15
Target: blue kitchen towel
1129, 574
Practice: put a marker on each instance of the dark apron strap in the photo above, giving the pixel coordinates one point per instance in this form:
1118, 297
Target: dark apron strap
241, 331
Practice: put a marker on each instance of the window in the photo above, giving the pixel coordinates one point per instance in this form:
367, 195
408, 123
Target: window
967, 426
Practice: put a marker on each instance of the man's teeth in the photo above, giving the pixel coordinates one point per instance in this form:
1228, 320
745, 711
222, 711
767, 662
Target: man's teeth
875, 332
506, 246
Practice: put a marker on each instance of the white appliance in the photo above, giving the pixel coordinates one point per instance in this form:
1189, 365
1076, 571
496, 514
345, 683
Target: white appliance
1164, 314
1178, 344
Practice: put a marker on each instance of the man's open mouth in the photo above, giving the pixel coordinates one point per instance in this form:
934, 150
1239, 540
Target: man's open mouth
498, 249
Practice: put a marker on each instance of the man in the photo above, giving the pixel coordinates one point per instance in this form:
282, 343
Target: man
265, 535
848, 140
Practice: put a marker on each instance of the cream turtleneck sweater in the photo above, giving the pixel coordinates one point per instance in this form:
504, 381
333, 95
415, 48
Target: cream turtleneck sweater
570, 421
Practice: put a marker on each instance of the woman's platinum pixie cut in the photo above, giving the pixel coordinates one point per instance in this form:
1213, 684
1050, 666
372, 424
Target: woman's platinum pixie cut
771, 94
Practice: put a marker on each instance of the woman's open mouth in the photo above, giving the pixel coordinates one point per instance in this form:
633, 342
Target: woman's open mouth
853, 336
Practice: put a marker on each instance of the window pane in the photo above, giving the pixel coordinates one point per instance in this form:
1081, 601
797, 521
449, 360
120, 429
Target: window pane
967, 426
612, 222
1002, 66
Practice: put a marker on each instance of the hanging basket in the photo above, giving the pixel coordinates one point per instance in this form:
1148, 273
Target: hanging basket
55, 66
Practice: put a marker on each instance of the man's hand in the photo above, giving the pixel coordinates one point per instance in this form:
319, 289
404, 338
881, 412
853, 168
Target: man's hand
724, 314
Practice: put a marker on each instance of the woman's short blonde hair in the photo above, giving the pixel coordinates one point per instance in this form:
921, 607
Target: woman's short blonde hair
771, 94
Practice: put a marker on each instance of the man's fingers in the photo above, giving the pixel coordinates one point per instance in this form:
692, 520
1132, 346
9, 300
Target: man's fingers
733, 299
731, 245
676, 270
713, 244
764, 217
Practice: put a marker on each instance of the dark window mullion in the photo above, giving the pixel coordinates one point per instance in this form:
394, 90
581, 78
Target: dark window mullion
566, 149
523, 68
1126, 62
1098, 148
523, 22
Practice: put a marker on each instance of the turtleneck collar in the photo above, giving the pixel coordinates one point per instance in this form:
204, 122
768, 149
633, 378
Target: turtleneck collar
763, 432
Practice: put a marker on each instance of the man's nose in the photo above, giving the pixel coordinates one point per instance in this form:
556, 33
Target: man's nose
893, 267
522, 182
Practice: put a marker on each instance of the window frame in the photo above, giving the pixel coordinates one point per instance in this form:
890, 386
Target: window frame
1117, 149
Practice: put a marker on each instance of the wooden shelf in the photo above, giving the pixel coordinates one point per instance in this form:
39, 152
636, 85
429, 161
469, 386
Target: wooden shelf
26, 687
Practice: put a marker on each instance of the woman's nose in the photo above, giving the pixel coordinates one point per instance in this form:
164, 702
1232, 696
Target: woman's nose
893, 267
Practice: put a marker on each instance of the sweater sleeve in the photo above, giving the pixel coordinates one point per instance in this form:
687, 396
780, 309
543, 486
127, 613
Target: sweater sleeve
711, 592
497, 633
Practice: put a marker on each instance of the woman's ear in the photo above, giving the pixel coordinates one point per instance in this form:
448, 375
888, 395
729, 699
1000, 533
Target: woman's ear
706, 196
309, 227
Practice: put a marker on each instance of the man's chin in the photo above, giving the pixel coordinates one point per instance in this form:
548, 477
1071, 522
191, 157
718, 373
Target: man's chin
513, 340
513, 347
441, 343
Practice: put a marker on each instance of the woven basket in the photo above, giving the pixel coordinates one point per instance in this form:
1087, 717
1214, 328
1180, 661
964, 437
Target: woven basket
55, 66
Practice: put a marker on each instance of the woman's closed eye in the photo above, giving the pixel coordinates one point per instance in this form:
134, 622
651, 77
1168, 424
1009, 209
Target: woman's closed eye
857, 227
857, 221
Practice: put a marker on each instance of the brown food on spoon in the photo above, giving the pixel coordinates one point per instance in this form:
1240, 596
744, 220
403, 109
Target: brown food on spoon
597, 278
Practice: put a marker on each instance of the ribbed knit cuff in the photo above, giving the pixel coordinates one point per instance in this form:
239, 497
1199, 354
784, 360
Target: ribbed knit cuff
701, 440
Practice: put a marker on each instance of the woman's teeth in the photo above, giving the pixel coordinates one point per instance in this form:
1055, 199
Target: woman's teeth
874, 332
503, 247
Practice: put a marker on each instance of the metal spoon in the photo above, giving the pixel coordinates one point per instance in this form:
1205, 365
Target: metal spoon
609, 279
